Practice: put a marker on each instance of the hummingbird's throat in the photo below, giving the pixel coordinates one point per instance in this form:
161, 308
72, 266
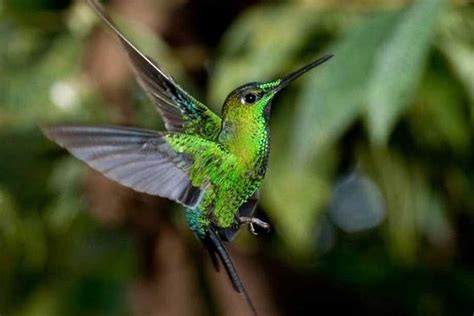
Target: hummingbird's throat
244, 131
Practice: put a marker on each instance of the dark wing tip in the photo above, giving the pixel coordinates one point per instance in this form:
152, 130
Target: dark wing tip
59, 133
98, 8
51, 132
45, 130
104, 16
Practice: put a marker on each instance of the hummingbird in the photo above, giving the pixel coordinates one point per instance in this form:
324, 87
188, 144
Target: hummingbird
212, 165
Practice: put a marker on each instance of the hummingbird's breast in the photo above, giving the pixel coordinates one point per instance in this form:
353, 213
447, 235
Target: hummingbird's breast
248, 140
249, 144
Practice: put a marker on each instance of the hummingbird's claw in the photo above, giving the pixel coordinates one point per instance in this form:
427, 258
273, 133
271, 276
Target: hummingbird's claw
254, 221
252, 229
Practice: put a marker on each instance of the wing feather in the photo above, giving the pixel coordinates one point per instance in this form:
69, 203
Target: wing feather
179, 110
137, 158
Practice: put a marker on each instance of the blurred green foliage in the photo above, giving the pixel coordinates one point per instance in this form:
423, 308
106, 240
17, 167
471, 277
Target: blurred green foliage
396, 103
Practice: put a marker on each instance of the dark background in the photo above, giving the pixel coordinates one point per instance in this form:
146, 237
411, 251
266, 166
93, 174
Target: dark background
370, 189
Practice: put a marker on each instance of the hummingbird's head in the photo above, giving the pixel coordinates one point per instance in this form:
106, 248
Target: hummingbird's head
256, 97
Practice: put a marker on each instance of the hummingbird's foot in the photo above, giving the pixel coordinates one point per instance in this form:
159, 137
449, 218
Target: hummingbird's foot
254, 221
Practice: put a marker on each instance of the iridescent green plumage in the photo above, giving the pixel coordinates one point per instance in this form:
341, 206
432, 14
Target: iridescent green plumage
211, 165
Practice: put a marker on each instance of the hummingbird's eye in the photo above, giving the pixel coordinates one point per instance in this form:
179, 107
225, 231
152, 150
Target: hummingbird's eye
249, 98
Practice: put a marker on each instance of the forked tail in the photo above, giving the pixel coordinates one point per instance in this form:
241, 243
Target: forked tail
216, 247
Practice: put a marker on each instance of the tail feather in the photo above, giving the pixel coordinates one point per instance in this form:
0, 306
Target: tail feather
212, 253
218, 248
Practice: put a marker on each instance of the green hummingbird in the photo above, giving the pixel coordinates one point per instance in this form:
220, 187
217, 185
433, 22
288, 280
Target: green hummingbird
212, 165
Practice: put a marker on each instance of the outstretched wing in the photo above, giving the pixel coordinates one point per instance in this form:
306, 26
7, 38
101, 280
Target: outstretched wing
137, 158
179, 110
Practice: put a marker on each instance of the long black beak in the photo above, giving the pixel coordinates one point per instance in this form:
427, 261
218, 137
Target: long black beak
285, 81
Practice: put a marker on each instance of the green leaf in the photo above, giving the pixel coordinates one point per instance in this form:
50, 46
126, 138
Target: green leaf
295, 195
31, 90
262, 42
66, 182
10, 224
456, 41
399, 65
400, 189
44, 301
414, 210
332, 95
439, 118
